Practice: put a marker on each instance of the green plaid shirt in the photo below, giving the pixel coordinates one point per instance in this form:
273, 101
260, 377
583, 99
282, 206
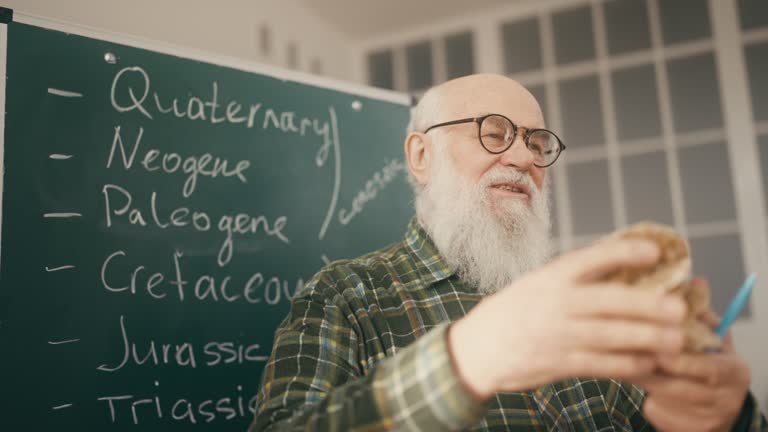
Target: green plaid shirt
364, 348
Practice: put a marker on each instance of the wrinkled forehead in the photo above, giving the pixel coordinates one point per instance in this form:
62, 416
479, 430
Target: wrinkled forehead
479, 98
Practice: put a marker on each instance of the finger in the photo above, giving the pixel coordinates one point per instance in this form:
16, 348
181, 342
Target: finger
707, 368
618, 335
686, 391
713, 320
621, 301
674, 417
698, 297
709, 317
587, 364
728, 346
593, 261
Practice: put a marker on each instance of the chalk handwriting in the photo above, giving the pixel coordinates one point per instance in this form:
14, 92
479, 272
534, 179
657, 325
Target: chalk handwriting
118, 202
373, 186
336, 174
151, 407
64, 93
59, 268
185, 354
207, 288
205, 165
131, 88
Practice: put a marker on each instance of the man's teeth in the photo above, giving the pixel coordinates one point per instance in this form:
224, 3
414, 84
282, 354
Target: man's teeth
511, 188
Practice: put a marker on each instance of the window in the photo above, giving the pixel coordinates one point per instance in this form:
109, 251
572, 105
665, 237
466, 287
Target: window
695, 93
459, 55
757, 68
418, 58
718, 258
380, 70
591, 202
646, 188
574, 40
763, 150
684, 20
707, 187
753, 14
636, 103
582, 112
626, 24
521, 42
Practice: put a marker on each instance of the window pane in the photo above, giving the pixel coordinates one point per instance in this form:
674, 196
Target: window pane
418, 58
380, 73
757, 67
762, 146
753, 14
554, 217
646, 188
707, 186
693, 86
636, 103
684, 20
540, 93
574, 40
582, 112
626, 25
521, 42
591, 202
719, 260
459, 55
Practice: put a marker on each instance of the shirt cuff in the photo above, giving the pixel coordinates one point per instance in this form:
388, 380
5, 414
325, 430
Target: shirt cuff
419, 389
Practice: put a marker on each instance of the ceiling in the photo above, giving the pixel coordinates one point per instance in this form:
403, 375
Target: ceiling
364, 18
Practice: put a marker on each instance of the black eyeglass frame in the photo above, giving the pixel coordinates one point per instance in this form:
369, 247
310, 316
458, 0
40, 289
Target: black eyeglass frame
515, 128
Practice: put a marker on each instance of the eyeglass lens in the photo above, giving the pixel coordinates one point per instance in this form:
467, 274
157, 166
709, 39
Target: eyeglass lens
497, 134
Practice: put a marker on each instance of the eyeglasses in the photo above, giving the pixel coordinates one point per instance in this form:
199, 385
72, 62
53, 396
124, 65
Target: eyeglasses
497, 133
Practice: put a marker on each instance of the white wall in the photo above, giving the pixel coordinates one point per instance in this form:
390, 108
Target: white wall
230, 28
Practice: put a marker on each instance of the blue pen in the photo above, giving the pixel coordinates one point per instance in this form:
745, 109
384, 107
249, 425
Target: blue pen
737, 304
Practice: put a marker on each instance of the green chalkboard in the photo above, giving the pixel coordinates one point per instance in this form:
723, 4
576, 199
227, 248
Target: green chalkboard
158, 214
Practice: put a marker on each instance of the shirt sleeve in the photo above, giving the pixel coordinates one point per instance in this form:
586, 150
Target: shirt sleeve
750, 419
625, 403
316, 379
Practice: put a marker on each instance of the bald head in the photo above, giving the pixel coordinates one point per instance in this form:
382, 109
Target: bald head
475, 95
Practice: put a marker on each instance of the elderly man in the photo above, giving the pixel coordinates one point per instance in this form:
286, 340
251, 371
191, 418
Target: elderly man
463, 325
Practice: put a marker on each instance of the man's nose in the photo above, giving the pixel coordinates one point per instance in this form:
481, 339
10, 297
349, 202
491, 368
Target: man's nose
518, 155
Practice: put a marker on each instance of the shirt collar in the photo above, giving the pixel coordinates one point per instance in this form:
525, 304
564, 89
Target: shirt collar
430, 263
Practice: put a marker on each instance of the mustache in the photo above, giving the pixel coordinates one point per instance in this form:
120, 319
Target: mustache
501, 175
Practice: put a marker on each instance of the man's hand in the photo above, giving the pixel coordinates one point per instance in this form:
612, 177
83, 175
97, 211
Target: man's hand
559, 322
701, 392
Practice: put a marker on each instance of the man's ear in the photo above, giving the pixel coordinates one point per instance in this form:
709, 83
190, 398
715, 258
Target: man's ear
418, 153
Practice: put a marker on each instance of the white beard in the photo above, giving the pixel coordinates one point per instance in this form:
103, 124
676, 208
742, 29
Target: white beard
488, 241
